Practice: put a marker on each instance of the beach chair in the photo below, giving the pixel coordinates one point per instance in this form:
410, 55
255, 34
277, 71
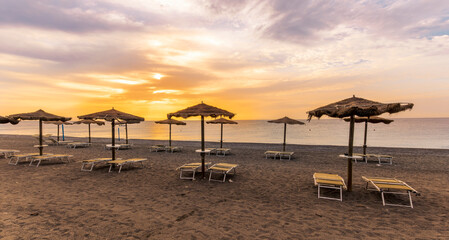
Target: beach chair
7, 153
157, 148
222, 151
120, 163
381, 158
329, 181
271, 154
172, 149
125, 146
192, 168
39, 159
78, 145
285, 155
18, 157
93, 162
221, 168
390, 186
64, 142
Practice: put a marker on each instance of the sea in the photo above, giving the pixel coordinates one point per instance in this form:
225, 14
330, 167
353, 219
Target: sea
403, 132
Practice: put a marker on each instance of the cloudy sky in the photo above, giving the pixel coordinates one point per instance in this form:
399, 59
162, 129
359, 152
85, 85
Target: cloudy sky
260, 59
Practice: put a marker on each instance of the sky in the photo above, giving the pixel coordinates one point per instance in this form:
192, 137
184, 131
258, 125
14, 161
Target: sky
260, 59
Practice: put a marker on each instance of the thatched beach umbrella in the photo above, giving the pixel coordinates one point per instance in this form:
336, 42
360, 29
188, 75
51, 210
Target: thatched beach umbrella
4, 120
40, 115
59, 123
202, 110
352, 107
89, 122
112, 116
221, 121
170, 122
285, 121
126, 126
367, 120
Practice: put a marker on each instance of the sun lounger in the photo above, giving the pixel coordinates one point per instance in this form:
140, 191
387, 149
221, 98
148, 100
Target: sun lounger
121, 163
222, 151
390, 186
172, 149
269, 154
93, 162
125, 146
39, 159
157, 148
7, 153
190, 167
78, 145
378, 157
18, 157
330, 181
221, 168
64, 142
284, 155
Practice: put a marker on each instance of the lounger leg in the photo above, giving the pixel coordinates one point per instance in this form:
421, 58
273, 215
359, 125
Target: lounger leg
319, 186
383, 198
410, 197
210, 175
110, 167
224, 177
341, 194
120, 168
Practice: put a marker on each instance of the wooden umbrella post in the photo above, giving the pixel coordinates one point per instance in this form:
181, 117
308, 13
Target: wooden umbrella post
285, 136
126, 130
113, 139
58, 133
89, 132
40, 137
221, 138
350, 152
203, 168
364, 139
169, 135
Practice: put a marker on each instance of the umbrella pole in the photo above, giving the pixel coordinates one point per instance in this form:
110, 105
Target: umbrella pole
40, 137
89, 132
350, 151
62, 128
203, 169
126, 128
169, 135
364, 139
285, 135
113, 139
58, 133
221, 139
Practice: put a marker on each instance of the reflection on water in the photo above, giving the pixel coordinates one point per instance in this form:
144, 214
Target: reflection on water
420, 133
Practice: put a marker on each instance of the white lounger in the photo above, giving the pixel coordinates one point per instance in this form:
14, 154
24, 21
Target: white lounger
157, 148
78, 145
7, 153
221, 168
269, 154
39, 159
123, 162
330, 181
25, 156
222, 151
191, 168
391, 186
172, 149
378, 157
93, 162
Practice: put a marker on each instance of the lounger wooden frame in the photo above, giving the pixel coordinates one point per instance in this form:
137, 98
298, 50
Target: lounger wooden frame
121, 163
385, 185
330, 181
221, 168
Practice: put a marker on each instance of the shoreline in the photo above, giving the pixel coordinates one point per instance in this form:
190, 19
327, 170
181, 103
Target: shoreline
191, 143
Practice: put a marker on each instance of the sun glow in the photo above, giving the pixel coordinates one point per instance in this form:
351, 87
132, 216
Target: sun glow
158, 76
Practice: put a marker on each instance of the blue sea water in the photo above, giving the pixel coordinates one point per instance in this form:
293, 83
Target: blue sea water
408, 133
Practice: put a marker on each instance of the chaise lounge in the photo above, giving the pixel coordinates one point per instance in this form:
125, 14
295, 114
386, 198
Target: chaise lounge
121, 163
329, 181
191, 168
390, 186
221, 168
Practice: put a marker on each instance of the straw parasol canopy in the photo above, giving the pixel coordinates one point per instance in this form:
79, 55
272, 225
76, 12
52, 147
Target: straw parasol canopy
367, 120
202, 110
59, 123
285, 121
352, 107
112, 116
89, 122
221, 121
40, 115
126, 122
4, 120
170, 122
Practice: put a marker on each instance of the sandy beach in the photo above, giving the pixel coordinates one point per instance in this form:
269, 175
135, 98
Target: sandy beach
267, 199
